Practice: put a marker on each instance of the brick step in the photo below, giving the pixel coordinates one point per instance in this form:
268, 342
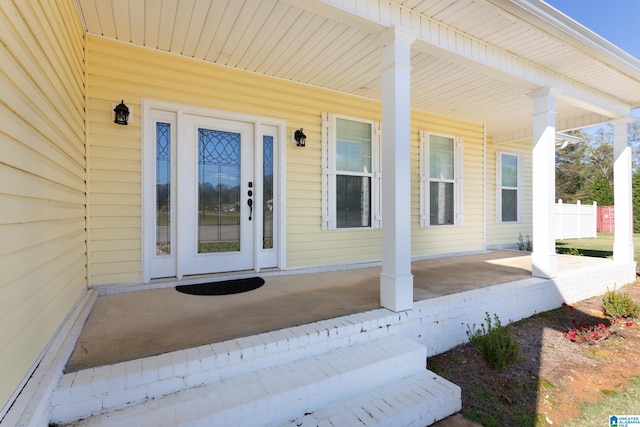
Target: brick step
418, 400
273, 395
101, 389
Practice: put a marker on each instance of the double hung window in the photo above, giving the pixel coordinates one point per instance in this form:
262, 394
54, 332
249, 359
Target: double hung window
351, 173
509, 197
440, 180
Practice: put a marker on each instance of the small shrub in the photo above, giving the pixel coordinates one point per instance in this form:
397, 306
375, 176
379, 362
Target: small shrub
524, 243
573, 251
619, 305
495, 342
588, 334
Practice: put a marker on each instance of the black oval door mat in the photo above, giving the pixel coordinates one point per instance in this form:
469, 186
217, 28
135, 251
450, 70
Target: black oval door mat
225, 287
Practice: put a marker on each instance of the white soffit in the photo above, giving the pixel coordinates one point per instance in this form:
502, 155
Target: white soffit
334, 44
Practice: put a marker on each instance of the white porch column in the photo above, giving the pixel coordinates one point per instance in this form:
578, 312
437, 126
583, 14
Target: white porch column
623, 238
396, 280
543, 259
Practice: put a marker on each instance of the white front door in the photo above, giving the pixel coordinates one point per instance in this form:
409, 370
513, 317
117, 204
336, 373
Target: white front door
215, 196
210, 194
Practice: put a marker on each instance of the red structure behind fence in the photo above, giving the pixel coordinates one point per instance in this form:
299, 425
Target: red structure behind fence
606, 219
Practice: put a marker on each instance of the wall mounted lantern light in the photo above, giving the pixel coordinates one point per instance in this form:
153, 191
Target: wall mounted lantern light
121, 113
300, 138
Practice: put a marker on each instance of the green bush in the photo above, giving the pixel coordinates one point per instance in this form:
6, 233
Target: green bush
635, 191
573, 251
524, 243
619, 305
495, 342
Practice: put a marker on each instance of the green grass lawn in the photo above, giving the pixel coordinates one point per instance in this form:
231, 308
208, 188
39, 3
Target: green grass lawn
601, 246
625, 402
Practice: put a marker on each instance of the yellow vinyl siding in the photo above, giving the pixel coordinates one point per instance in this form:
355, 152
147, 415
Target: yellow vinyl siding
113, 199
506, 234
120, 71
42, 179
456, 238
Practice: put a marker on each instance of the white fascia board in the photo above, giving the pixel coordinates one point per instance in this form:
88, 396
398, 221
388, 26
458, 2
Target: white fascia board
439, 39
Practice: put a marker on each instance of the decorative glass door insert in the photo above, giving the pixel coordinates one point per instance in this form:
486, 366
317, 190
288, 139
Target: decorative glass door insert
267, 192
163, 189
219, 204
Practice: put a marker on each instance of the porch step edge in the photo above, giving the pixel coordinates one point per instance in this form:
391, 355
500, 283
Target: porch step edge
250, 398
418, 400
89, 390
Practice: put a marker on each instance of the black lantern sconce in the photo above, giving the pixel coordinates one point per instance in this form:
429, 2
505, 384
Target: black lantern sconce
300, 138
121, 113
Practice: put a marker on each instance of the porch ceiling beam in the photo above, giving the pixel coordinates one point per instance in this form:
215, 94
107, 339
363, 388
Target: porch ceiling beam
462, 49
562, 139
439, 39
334, 10
571, 123
578, 122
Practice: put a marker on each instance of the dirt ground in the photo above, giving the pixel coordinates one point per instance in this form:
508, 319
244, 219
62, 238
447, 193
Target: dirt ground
552, 375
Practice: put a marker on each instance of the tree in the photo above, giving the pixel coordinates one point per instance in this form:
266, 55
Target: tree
599, 153
600, 190
635, 185
570, 174
585, 171
635, 144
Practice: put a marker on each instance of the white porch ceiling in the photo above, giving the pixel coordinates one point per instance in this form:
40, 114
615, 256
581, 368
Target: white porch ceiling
319, 44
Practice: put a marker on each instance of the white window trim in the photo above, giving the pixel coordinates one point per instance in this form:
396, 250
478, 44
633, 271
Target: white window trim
519, 188
329, 172
424, 180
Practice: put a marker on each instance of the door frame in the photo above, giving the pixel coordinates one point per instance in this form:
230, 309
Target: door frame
262, 126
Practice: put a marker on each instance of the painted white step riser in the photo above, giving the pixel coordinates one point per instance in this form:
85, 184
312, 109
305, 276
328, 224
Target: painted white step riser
418, 400
415, 401
92, 390
299, 385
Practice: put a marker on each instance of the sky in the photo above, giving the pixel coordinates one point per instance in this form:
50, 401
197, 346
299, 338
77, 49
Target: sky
618, 21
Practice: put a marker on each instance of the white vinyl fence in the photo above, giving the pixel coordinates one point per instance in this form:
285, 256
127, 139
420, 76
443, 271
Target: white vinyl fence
576, 221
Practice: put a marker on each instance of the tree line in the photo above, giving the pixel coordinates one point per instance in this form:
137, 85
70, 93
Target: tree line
584, 171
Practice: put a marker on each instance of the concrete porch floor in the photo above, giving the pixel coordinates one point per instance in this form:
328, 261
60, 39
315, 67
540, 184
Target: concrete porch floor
130, 325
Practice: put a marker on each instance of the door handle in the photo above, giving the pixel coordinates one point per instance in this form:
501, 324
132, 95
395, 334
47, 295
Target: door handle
250, 200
